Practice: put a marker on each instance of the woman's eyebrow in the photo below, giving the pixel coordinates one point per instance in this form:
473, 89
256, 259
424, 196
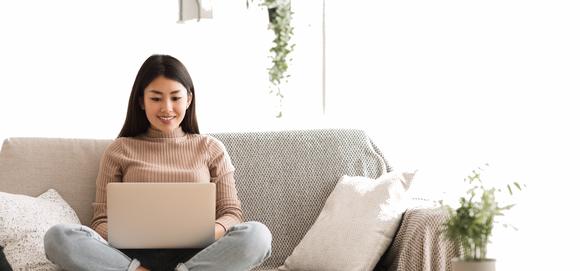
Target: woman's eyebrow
159, 92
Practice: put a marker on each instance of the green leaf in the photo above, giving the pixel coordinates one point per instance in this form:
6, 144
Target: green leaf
472, 223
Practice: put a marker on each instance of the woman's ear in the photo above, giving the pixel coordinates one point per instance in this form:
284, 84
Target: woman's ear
189, 99
141, 103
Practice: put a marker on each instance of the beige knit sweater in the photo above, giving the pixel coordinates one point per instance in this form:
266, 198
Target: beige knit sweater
168, 157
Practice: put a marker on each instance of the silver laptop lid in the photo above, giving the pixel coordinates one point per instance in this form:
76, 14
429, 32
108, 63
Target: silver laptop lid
161, 215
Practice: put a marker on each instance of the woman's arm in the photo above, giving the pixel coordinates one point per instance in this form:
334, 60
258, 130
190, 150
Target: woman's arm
220, 231
109, 171
228, 207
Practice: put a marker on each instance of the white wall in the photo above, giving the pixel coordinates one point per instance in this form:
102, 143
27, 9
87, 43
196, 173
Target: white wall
446, 86
68, 66
442, 86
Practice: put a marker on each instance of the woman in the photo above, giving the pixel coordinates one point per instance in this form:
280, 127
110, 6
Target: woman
160, 141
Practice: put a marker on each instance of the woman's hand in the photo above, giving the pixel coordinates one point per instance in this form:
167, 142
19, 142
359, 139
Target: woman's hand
219, 231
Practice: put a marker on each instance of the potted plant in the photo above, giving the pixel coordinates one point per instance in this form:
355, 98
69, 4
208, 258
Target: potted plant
280, 18
470, 225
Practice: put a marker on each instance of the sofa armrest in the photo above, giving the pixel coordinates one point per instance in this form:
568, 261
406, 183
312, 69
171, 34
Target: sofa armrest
418, 244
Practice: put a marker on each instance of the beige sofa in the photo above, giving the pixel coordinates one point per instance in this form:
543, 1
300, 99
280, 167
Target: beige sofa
283, 180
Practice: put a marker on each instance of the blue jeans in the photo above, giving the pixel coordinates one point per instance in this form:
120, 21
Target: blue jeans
79, 248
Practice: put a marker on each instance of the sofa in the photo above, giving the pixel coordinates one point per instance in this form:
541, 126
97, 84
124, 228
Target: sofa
283, 180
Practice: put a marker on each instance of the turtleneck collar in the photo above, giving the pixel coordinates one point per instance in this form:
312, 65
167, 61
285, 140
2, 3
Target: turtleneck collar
154, 133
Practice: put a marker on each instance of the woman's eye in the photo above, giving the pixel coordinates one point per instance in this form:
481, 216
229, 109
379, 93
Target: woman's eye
155, 99
175, 98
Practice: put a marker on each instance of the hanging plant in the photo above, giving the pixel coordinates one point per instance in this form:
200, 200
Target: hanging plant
280, 17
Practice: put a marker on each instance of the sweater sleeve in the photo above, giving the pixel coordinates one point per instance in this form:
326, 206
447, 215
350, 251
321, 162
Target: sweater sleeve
228, 207
109, 171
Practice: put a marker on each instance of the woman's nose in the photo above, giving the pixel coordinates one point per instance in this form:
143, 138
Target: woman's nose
166, 105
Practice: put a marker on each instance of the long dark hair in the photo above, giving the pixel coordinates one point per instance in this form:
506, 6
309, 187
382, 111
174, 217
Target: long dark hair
136, 121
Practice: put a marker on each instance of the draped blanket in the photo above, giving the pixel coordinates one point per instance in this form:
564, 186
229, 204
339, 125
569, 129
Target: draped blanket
418, 245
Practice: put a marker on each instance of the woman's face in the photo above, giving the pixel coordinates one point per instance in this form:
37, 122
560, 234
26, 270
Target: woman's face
165, 102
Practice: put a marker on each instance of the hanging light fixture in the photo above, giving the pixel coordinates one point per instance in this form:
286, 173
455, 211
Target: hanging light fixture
194, 9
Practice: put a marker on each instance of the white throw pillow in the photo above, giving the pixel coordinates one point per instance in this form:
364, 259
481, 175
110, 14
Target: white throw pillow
355, 226
23, 222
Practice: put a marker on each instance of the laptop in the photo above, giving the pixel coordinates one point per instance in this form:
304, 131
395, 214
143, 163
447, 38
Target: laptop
161, 215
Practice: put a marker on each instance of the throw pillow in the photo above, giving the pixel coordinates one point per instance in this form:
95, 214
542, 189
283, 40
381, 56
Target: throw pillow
23, 222
355, 226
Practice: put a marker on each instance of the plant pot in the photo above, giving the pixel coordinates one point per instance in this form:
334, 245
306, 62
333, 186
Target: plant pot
462, 265
272, 14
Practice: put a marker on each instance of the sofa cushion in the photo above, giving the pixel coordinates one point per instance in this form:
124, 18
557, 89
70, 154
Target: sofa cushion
355, 227
23, 222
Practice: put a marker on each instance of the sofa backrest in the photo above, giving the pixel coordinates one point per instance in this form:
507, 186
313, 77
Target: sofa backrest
31, 166
283, 178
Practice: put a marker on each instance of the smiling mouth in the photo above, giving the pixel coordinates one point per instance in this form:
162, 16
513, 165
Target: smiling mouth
167, 118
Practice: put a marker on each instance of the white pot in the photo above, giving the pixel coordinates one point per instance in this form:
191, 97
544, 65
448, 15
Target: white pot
483, 265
